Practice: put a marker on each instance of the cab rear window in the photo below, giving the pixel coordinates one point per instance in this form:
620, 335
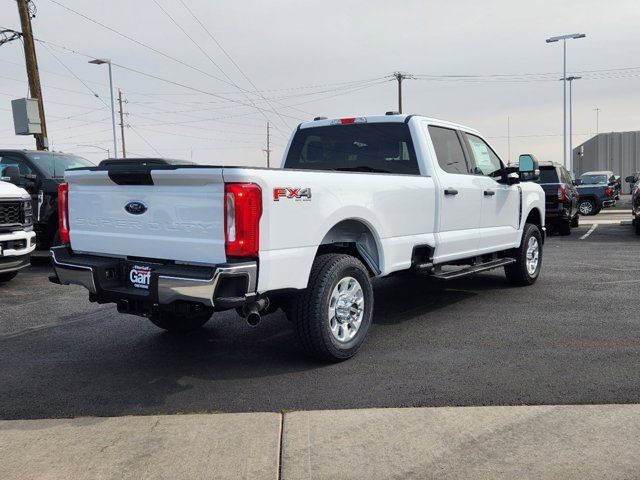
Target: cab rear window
359, 147
548, 175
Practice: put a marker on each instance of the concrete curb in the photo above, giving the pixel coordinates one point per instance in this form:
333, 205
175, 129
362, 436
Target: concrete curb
537, 442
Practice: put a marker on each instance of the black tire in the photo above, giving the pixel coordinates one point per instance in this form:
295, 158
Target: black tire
575, 221
637, 227
517, 273
564, 227
174, 322
311, 311
5, 277
587, 207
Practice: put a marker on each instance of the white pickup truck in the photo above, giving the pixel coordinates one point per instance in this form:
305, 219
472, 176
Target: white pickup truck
17, 238
355, 198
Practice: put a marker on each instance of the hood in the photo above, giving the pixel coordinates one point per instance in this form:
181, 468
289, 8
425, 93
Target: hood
10, 190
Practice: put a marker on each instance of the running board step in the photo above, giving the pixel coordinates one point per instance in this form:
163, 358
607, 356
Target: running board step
481, 267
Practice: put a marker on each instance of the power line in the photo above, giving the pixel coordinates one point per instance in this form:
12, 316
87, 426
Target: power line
214, 62
246, 77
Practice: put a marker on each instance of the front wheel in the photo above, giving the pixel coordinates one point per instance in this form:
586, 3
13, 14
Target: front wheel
5, 277
587, 207
333, 315
528, 256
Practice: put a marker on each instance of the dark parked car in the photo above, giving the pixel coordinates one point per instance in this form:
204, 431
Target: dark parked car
597, 190
635, 200
561, 198
40, 174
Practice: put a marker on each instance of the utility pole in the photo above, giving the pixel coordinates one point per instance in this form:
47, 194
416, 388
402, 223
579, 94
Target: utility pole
124, 152
399, 76
597, 110
570, 80
32, 70
268, 149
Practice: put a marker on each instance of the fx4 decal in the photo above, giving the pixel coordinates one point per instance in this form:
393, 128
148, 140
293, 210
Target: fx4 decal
291, 192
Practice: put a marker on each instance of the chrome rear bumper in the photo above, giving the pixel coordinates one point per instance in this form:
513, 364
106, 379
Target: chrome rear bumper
104, 278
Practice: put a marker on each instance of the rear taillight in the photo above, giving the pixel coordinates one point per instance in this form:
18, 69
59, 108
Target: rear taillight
243, 208
562, 193
638, 193
608, 192
63, 213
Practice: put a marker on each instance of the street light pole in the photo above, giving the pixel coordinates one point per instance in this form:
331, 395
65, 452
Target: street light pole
570, 80
98, 147
564, 39
101, 61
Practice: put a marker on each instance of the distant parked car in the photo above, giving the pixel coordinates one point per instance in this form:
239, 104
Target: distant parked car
40, 175
635, 200
597, 190
561, 198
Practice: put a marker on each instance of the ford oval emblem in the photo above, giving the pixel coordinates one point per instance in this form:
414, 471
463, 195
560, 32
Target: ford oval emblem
135, 208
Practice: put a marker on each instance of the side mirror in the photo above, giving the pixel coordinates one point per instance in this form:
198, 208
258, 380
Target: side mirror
631, 179
578, 181
11, 174
528, 168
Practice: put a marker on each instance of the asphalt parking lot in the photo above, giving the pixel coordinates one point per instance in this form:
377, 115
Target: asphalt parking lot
572, 338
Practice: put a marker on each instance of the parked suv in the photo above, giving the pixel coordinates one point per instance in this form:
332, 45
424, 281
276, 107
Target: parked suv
40, 173
561, 198
597, 191
17, 238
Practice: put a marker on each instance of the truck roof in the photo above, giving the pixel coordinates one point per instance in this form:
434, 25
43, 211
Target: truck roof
388, 118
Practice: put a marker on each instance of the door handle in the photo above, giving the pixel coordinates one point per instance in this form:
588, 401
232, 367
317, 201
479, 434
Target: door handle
450, 191
489, 193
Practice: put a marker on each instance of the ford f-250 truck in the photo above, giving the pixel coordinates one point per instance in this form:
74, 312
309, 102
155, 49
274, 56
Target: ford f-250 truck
355, 198
17, 238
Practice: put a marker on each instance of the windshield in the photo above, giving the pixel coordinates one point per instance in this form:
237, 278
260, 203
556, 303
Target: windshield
593, 179
360, 147
55, 164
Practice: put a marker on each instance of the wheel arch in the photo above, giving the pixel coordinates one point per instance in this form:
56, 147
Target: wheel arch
535, 217
356, 237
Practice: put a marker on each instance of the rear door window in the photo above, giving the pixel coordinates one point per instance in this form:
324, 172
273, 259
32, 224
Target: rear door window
449, 152
358, 147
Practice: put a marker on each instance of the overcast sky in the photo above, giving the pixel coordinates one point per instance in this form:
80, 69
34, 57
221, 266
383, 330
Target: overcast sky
320, 58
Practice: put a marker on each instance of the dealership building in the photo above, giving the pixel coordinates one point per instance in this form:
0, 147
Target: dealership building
618, 152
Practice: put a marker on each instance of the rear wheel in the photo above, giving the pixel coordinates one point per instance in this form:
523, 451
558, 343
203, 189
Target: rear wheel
175, 322
5, 277
333, 315
564, 227
637, 227
587, 207
575, 221
528, 255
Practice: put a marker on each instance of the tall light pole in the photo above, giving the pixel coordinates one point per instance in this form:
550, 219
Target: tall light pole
101, 61
564, 39
570, 80
597, 110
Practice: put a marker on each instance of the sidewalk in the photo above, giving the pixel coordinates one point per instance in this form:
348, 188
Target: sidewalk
581, 442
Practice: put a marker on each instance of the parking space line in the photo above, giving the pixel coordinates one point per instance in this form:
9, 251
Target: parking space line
593, 227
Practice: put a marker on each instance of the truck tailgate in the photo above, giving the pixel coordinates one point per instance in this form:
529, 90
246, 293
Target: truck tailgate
174, 214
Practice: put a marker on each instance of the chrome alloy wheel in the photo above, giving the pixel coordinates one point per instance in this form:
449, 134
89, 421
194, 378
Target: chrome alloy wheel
346, 309
586, 208
533, 255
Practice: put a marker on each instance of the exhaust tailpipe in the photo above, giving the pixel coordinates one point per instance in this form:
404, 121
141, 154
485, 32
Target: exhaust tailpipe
251, 311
